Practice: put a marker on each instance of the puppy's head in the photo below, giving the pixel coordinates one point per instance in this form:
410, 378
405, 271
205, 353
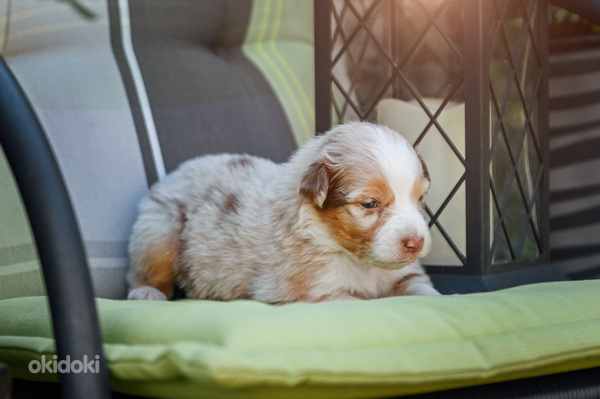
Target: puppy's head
366, 184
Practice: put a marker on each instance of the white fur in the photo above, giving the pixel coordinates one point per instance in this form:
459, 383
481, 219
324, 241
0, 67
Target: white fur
148, 293
242, 227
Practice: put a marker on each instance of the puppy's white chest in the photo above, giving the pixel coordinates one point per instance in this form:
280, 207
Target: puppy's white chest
345, 275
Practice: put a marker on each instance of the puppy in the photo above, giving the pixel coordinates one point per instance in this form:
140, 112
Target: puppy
343, 219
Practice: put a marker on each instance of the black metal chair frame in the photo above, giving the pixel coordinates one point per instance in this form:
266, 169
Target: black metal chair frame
57, 237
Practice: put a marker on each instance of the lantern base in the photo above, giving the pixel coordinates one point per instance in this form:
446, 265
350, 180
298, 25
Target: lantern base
466, 284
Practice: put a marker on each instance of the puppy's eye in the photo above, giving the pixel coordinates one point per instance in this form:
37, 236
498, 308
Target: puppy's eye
369, 204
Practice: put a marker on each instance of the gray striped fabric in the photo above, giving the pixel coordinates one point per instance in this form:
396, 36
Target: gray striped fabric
125, 96
575, 162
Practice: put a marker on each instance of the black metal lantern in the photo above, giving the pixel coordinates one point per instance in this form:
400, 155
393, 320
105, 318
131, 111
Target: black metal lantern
466, 82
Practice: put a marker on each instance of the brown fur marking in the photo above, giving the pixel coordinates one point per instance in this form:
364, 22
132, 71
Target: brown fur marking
181, 214
300, 282
315, 181
402, 285
419, 190
241, 162
342, 224
300, 279
159, 267
425, 170
232, 202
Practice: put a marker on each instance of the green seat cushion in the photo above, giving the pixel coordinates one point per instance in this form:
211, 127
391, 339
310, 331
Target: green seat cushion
370, 348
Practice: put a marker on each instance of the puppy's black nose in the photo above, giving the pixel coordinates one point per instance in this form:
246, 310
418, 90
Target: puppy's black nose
412, 244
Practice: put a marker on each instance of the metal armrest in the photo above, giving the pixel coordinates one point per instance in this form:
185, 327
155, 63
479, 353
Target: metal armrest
56, 233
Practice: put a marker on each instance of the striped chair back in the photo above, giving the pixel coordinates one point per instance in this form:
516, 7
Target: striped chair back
128, 89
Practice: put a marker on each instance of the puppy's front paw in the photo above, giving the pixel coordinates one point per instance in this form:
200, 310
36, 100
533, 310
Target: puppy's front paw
147, 293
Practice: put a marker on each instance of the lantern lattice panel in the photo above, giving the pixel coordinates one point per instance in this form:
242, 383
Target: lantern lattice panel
423, 55
383, 48
516, 149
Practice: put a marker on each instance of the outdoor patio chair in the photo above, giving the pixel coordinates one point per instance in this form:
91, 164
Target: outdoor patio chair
98, 101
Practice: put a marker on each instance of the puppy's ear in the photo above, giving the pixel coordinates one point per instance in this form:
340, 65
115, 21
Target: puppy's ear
315, 183
425, 170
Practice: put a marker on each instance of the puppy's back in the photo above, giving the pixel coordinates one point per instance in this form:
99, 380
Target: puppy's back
204, 202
